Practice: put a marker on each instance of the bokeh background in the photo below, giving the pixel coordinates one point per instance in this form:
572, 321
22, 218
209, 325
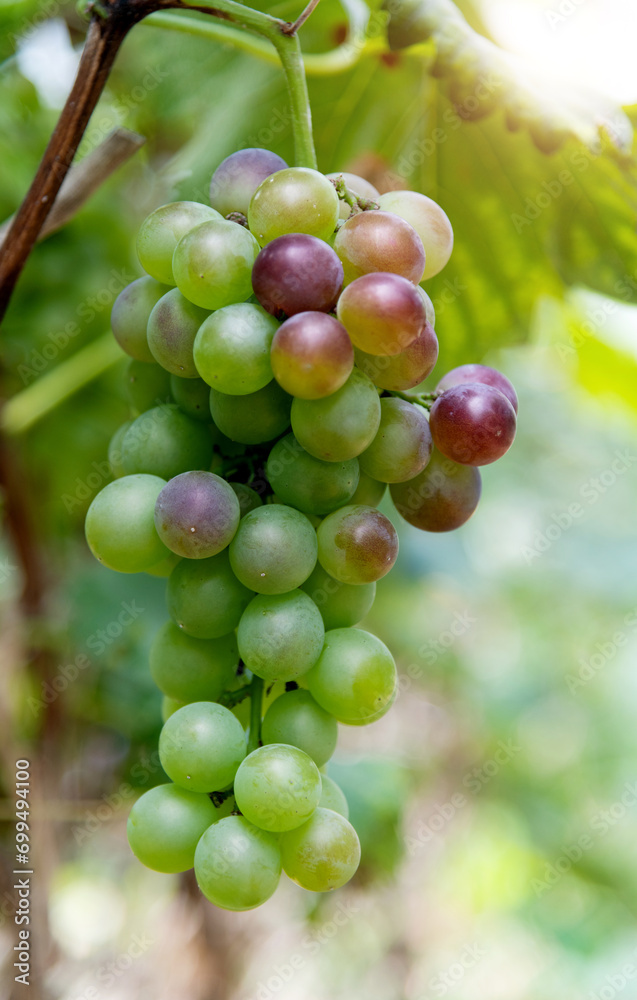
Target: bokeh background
497, 802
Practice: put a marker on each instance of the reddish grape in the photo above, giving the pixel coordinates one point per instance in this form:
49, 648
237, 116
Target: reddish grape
312, 355
440, 498
238, 176
383, 313
481, 374
297, 273
404, 370
197, 514
379, 241
473, 424
357, 544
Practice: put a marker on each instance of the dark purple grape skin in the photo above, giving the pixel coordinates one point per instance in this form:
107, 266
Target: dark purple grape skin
238, 176
440, 498
197, 514
297, 273
473, 424
484, 376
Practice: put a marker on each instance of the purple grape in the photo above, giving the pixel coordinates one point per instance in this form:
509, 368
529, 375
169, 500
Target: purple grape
312, 355
197, 514
440, 498
481, 374
297, 273
473, 424
238, 176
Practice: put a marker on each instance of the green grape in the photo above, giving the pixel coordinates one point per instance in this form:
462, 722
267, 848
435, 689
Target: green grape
322, 854
340, 604
146, 385
369, 492
115, 450
354, 677
297, 720
192, 396
338, 427
237, 866
165, 825
165, 442
190, 669
357, 544
201, 746
162, 230
281, 636
333, 797
164, 567
204, 597
129, 316
402, 446
168, 707
120, 524
274, 549
277, 787
302, 481
172, 328
296, 200
378, 715
232, 349
212, 264
430, 222
248, 498
252, 419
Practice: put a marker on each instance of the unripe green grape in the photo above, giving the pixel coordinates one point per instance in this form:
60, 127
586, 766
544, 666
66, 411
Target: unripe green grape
201, 746
430, 222
164, 567
354, 677
277, 787
402, 447
172, 328
252, 419
232, 349
369, 492
322, 854
168, 707
129, 316
204, 597
192, 396
165, 825
189, 669
296, 200
115, 450
281, 635
297, 720
308, 483
341, 604
165, 442
162, 230
237, 866
274, 549
248, 498
357, 544
146, 385
212, 264
333, 797
340, 426
120, 524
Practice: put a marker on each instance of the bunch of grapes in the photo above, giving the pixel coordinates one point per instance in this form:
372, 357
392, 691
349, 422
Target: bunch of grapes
273, 341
